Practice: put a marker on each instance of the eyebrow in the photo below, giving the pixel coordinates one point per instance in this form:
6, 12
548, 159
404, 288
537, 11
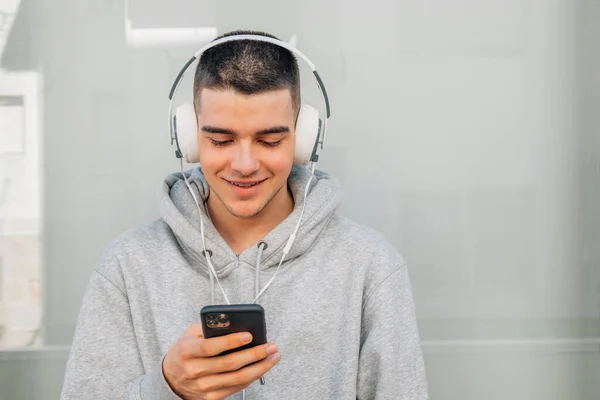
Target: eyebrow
272, 130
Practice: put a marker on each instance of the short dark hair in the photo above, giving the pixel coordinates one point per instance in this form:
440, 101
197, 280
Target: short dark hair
248, 67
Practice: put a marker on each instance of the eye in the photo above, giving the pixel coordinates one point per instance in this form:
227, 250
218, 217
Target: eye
271, 144
218, 143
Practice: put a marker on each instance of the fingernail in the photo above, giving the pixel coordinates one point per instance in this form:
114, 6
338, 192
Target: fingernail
275, 357
246, 337
271, 349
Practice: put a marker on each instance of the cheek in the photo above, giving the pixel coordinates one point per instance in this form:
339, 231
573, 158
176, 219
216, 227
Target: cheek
210, 158
279, 161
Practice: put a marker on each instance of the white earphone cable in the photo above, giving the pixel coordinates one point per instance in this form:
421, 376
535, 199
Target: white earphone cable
286, 250
292, 238
288, 246
181, 155
206, 254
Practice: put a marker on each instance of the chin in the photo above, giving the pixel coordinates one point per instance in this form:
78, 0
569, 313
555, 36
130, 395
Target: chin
245, 210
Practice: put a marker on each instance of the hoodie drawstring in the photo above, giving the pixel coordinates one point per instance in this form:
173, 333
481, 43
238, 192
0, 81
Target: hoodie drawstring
212, 289
208, 254
261, 246
286, 250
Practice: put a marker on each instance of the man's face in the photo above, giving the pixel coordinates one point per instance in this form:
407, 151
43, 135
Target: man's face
246, 147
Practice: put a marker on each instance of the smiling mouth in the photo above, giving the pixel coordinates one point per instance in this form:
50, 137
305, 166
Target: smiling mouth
245, 184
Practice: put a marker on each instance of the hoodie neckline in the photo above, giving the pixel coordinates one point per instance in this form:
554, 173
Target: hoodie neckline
181, 214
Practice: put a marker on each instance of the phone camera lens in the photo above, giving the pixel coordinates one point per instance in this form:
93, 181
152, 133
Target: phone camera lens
211, 322
223, 318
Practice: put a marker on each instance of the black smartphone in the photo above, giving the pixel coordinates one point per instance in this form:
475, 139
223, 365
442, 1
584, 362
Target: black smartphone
220, 320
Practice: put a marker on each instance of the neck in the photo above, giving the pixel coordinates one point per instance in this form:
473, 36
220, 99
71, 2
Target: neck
241, 233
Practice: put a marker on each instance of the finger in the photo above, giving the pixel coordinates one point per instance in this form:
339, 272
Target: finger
239, 359
194, 330
203, 348
244, 376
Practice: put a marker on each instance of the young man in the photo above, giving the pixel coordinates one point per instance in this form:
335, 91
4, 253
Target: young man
340, 311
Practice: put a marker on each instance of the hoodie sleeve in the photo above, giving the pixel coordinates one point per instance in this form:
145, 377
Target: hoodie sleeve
391, 362
104, 361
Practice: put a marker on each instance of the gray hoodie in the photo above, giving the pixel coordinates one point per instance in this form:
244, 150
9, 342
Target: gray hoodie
340, 308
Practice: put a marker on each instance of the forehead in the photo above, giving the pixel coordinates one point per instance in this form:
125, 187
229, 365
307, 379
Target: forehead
214, 103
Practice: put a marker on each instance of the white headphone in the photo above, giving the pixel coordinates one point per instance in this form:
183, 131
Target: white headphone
310, 129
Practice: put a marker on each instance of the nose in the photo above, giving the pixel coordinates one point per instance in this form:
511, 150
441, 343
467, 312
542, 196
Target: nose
244, 161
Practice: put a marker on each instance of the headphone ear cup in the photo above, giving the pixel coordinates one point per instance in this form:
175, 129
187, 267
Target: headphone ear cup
186, 132
307, 134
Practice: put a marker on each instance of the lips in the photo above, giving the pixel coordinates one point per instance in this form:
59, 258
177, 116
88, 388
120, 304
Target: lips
249, 184
245, 184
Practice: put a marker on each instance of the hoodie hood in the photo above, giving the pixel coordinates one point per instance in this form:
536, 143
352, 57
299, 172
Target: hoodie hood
179, 211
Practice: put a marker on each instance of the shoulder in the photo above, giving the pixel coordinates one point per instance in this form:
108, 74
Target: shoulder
363, 240
134, 240
131, 245
370, 251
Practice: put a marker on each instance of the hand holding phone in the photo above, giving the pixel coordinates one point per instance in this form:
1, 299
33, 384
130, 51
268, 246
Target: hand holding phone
197, 367
221, 320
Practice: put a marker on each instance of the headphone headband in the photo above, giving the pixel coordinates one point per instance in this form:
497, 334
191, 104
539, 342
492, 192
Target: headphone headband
258, 38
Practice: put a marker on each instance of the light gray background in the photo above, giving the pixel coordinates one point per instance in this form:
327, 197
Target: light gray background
465, 130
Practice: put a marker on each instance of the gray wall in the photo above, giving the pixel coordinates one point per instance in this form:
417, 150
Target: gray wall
469, 128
